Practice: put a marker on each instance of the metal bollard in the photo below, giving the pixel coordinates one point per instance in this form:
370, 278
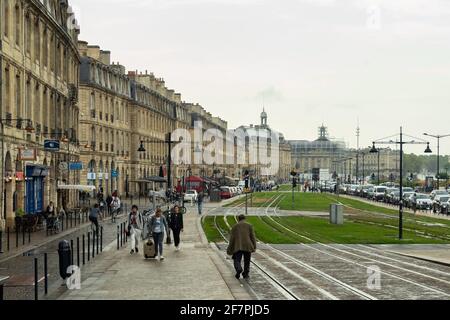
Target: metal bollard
98, 237
7, 238
1, 241
29, 235
36, 280
89, 247
46, 272
84, 249
101, 238
93, 244
71, 252
121, 235
118, 238
17, 238
78, 252
23, 236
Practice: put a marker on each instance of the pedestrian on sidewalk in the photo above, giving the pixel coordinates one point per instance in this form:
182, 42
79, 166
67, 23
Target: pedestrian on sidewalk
115, 205
200, 199
158, 226
135, 227
109, 200
242, 244
177, 225
93, 216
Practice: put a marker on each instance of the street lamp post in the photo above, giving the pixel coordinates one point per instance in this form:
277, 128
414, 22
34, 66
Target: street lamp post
337, 180
401, 143
438, 137
169, 143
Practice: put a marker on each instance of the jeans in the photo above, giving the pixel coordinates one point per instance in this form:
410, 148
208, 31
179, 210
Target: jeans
237, 257
176, 236
94, 221
200, 207
158, 239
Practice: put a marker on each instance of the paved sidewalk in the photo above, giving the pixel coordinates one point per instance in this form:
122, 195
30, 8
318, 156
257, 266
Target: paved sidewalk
194, 273
433, 253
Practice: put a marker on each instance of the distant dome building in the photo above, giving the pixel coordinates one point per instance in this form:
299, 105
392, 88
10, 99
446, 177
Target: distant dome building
320, 153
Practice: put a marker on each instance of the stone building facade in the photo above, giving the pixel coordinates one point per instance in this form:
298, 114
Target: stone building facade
39, 65
320, 153
105, 95
284, 165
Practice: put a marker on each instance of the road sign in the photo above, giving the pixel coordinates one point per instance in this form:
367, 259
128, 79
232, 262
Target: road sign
114, 174
52, 145
76, 166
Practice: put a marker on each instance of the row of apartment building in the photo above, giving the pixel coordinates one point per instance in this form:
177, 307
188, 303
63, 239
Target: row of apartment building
111, 125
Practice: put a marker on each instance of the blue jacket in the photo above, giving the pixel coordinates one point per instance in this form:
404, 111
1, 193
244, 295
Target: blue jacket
152, 224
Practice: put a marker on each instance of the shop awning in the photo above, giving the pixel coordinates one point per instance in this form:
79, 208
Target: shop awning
77, 187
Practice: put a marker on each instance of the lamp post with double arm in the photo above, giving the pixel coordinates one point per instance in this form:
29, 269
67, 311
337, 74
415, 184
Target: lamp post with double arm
401, 143
438, 137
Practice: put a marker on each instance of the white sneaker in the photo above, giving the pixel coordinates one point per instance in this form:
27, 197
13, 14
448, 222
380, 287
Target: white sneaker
161, 258
177, 248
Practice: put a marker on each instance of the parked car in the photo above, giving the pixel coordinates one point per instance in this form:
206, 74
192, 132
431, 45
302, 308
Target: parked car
379, 193
370, 193
225, 193
364, 190
395, 197
423, 201
435, 193
352, 189
191, 196
388, 195
406, 196
440, 204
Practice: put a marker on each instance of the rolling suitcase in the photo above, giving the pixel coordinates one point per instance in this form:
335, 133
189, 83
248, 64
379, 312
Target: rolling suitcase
149, 249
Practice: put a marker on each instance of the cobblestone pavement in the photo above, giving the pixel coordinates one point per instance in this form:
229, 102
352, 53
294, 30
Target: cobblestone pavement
196, 272
22, 264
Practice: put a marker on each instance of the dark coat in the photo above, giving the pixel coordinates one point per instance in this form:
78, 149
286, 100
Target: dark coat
242, 239
176, 221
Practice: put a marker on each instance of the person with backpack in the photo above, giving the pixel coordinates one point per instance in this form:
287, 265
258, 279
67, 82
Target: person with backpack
135, 227
158, 227
177, 225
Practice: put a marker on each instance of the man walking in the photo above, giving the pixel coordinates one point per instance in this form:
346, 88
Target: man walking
242, 244
200, 202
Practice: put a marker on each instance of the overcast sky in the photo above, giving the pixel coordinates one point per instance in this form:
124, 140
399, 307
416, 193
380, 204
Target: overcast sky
386, 62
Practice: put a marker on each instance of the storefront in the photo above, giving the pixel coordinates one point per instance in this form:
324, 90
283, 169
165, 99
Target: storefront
35, 181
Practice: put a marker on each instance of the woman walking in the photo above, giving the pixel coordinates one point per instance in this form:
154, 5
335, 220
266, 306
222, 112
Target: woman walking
158, 227
135, 226
177, 225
